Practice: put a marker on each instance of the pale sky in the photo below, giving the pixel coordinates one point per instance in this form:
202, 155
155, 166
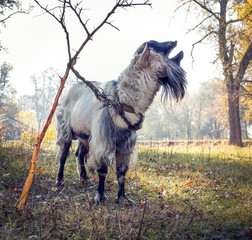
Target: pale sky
36, 42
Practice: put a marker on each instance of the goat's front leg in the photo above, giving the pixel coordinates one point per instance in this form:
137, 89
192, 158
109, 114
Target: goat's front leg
100, 195
122, 165
64, 154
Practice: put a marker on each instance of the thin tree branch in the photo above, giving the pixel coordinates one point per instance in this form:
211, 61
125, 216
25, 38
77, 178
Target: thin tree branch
175, 11
77, 12
200, 41
120, 3
3, 20
239, 19
61, 21
207, 9
247, 58
110, 23
124, 3
192, 29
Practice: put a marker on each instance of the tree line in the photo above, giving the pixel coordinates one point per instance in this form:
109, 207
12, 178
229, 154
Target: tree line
201, 115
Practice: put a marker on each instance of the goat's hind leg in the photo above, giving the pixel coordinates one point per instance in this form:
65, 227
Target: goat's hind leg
81, 158
63, 157
100, 195
122, 165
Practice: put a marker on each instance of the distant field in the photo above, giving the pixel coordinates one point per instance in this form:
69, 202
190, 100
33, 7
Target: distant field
187, 190
246, 143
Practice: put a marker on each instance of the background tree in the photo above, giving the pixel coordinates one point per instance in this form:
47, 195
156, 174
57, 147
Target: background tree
202, 115
45, 86
8, 8
8, 106
224, 22
211, 118
7, 92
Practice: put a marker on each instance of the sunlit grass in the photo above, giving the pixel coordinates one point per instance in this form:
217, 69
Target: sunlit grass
214, 178
184, 191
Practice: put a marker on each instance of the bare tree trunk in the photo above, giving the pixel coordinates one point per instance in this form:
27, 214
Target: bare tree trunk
233, 86
235, 137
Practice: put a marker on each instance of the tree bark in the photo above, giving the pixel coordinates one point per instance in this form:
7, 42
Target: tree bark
233, 84
235, 137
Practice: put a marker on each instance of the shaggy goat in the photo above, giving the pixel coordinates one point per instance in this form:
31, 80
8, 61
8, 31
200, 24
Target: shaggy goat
100, 129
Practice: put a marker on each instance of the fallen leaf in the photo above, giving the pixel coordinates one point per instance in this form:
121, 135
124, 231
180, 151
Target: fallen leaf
94, 178
188, 183
142, 205
38, 170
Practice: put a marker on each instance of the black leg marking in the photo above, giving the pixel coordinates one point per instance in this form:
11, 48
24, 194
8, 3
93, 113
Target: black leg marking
100, 195
63, 157
122, 163
81, 157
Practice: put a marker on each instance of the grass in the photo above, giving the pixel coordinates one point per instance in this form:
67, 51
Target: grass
185, 191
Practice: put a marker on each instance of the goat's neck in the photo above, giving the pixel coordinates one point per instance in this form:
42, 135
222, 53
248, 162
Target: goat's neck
137, 90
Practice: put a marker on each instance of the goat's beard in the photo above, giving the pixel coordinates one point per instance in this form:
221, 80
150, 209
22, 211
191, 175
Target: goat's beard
173, 82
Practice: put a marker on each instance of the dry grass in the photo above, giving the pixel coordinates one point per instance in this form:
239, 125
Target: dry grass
187, 191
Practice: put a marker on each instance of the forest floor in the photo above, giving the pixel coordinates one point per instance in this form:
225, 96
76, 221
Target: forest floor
184, 191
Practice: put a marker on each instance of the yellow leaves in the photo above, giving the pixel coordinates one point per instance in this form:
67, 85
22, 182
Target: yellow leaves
50, 135
29, 137
30, 129
27, 117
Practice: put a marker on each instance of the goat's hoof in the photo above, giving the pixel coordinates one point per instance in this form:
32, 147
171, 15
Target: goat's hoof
100, 198
124, 201
58, 184
84, 180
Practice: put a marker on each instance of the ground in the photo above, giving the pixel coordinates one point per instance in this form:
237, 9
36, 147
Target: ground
189, 190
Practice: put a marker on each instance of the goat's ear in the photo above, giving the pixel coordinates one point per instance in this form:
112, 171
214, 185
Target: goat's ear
143, 60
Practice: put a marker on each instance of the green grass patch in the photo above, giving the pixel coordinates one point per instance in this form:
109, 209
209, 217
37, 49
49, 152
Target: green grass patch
184, 191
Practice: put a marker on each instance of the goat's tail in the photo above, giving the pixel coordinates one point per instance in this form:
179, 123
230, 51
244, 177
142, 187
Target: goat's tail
64, 133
